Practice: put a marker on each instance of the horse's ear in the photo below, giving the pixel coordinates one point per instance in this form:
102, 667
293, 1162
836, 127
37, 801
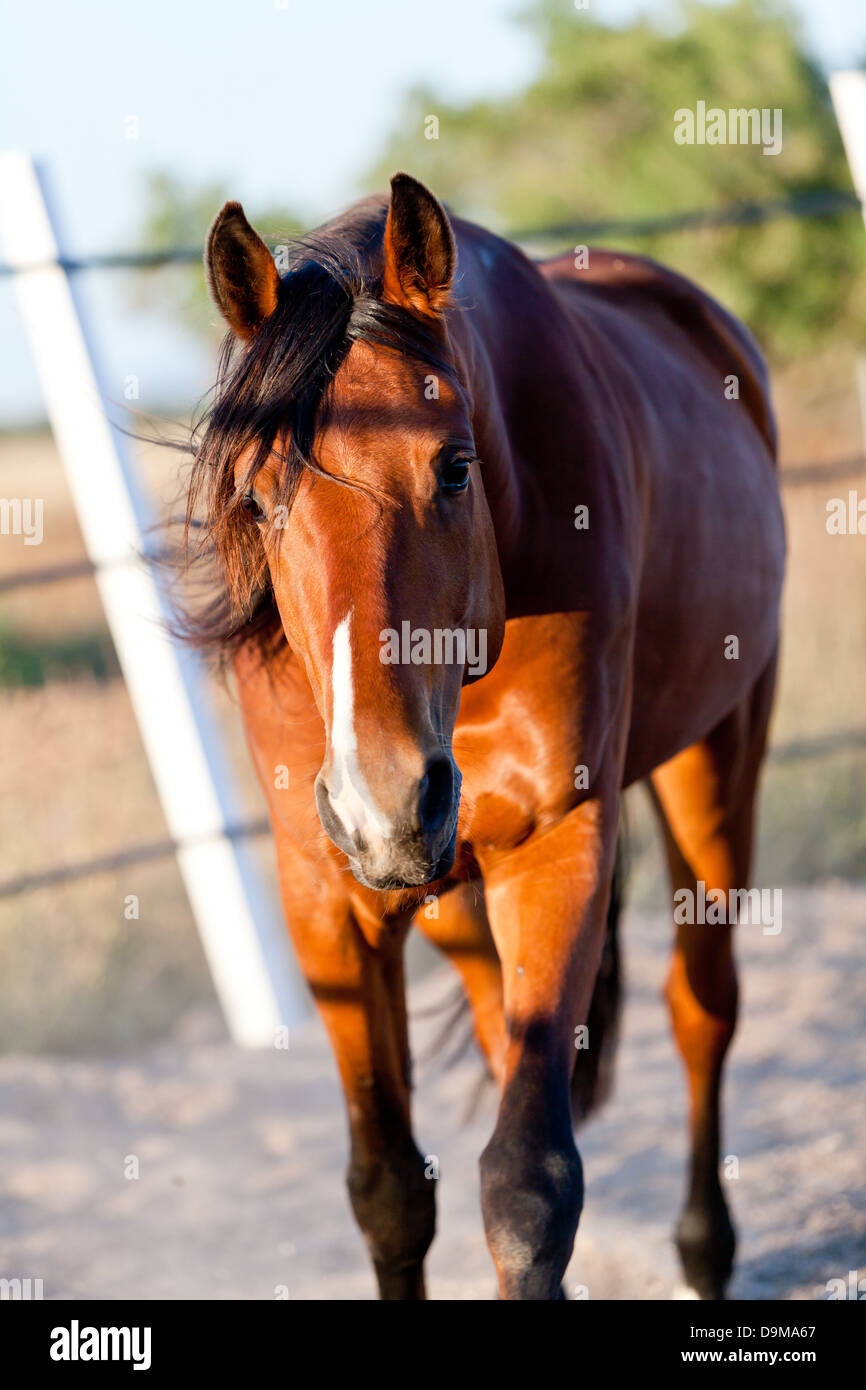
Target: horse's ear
241, 275
419, 249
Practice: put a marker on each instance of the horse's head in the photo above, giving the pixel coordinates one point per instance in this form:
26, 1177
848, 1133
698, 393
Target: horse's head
343, 483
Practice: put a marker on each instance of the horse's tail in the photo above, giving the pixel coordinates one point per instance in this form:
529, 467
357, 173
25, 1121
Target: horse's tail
592, 1078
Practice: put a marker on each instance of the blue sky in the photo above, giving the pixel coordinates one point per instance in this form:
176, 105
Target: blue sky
287, 100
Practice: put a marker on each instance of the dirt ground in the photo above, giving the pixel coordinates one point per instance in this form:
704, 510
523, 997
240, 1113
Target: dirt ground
240, 1155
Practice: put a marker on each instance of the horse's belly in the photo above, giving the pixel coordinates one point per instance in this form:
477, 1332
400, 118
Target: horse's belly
703, 642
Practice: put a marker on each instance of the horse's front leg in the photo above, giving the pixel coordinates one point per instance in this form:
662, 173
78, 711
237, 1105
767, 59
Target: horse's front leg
354, 968
547, 901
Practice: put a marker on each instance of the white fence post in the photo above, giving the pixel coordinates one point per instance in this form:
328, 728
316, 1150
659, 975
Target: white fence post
848, 90
241, 930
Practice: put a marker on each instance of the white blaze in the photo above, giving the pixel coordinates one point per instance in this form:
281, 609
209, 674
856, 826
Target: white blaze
350, 796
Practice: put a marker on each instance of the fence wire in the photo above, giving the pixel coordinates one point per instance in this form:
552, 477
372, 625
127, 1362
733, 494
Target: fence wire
819, 202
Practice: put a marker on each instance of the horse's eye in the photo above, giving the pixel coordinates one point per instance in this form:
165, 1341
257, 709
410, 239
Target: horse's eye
252, 508
454, 477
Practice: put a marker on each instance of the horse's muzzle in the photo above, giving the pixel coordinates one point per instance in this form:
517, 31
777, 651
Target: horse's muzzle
420, 843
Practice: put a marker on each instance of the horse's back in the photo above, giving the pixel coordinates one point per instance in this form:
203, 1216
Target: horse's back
640, 290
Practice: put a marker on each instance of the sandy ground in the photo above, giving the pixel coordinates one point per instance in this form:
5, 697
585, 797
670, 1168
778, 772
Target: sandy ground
241, 1154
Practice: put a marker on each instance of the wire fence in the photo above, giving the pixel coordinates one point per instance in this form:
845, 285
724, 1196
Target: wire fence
819, 202
812, 203
144, 853
822, 202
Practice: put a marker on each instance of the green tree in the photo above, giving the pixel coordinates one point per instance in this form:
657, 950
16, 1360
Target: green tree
592, 138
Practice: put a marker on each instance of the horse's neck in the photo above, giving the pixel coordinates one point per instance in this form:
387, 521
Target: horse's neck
509, 340
503, 482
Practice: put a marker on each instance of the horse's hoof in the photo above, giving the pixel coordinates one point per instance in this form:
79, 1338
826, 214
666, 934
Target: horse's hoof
709, 1292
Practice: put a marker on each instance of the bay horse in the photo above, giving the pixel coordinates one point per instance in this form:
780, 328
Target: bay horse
495, 540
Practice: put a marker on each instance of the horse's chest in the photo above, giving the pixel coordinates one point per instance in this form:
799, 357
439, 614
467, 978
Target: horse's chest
525, 736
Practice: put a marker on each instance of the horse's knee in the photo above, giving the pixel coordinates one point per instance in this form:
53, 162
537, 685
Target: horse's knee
531, 1199
394, 1202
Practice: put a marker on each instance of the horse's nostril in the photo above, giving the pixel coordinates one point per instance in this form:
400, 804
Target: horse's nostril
436, 795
